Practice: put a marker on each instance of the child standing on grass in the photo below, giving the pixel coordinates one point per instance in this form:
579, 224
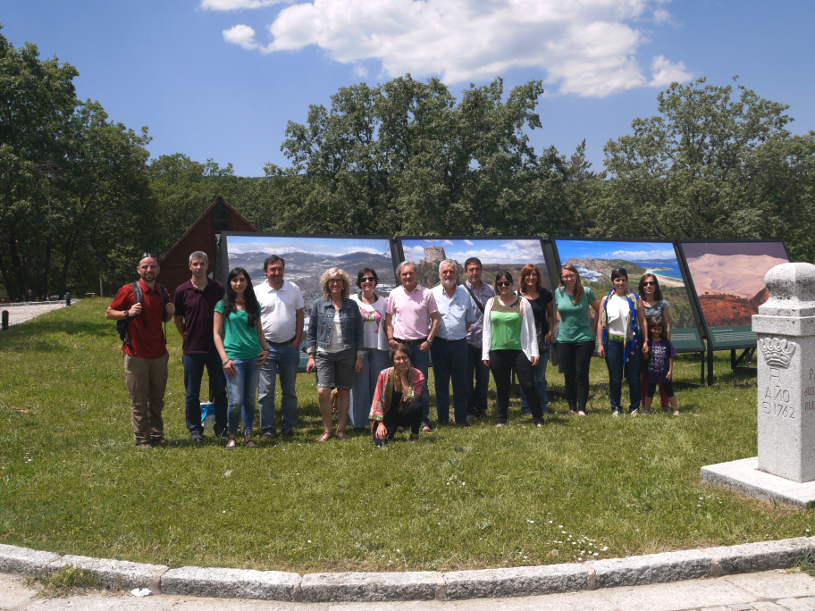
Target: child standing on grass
660, 364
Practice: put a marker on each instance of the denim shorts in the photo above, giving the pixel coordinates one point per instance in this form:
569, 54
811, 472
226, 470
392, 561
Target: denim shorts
336, 369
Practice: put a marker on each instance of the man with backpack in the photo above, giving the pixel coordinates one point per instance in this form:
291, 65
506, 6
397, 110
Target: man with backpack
141, 309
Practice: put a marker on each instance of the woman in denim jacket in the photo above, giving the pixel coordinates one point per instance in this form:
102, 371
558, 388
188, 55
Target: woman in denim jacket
335, 346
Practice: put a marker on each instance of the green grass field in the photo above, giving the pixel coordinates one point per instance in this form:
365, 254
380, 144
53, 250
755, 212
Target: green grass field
71, 480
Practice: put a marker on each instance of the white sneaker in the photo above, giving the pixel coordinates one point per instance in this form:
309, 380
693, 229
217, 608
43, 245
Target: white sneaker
634, 413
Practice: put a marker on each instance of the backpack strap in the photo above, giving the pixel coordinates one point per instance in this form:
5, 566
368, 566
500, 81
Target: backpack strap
478, 303
163, 295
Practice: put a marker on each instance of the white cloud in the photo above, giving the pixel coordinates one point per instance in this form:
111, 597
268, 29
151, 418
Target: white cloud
241, 35
468, 242
586, 47
664, 72
235, 5
642, 255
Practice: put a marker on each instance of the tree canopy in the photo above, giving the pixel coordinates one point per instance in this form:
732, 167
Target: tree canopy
74, 193
710, 165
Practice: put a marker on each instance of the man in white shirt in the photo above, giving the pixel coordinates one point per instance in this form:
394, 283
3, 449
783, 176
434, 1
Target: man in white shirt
449, 350
281, 315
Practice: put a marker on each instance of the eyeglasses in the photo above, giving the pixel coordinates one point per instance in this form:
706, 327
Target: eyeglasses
649, 283
335, 281
368, 279
503, 283
568, 276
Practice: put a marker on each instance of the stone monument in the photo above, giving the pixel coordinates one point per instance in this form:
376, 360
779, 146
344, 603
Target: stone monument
784, 470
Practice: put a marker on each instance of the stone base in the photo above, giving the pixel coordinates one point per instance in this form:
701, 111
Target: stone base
744, 476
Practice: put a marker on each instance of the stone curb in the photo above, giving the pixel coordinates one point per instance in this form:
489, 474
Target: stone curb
231, 583
421, 585
116, 573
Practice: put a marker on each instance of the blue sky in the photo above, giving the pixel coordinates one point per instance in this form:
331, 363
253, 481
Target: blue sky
327, 246
220, 79
489, 250
629, 251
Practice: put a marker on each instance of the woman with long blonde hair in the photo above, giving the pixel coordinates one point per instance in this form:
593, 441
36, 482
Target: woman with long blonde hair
335, 346
576, 338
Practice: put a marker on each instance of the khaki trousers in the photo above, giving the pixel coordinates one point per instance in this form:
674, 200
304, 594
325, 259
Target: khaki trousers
146, 382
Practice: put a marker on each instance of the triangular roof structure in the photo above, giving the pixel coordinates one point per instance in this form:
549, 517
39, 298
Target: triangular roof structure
216, 201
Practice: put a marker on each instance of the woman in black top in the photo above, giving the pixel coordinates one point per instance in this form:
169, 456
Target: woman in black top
540, 298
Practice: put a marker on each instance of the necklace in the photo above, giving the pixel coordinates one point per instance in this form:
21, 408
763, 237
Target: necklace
240, 301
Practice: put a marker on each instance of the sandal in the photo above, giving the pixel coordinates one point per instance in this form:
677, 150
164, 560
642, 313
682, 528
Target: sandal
676, 413
230, 445
426, 428
342, 436
499, 425
582, 414
414, 438
248, 443
326, 436
572, 412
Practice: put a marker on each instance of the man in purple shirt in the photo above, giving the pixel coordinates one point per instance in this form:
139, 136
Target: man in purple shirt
194, 307
408, 310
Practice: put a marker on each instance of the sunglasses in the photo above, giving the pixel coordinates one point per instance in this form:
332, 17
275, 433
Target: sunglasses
368, 279
335, 281
649, 283
503, 283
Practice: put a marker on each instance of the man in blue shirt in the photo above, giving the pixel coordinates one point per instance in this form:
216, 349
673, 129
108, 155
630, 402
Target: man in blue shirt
449, 350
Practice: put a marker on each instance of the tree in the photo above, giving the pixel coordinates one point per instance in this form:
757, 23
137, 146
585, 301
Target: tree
37, 98
708, 166
73, 184
405, 157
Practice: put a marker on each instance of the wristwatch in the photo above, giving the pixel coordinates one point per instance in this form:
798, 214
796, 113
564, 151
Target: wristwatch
429, 342
127, 314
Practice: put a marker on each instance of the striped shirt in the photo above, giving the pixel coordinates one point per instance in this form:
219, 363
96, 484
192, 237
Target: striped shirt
484, 294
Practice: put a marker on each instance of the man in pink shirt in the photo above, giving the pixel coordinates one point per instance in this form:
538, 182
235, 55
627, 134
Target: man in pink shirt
410, 306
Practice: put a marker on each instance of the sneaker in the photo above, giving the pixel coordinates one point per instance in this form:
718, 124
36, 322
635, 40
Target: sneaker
144, 446
160, 443
635, 412
196, 437
288, 433
268, 436
222, 435
615, 413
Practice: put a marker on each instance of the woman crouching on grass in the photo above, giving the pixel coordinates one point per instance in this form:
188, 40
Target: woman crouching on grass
242, 345
396, 398
660, 364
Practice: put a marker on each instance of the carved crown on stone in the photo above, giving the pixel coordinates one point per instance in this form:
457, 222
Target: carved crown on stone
777, 352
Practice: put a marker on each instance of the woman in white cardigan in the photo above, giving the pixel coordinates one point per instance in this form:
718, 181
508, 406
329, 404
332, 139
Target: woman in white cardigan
510, 340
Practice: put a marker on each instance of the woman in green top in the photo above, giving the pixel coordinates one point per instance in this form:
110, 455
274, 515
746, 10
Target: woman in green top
576, 339
510, 340
239, 338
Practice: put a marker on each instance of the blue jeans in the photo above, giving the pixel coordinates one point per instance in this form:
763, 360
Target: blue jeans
450, 361
614, 362
194, 365
479, 373
283, 360
242, 390
421, 361
540, 383
362, 394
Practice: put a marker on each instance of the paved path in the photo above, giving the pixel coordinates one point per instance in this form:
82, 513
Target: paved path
778, 590
18, 313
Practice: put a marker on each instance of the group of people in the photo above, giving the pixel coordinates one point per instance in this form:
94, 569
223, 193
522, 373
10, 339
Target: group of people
371, 353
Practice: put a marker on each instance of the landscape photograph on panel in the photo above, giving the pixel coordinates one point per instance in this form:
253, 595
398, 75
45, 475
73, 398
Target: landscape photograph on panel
728, 278
496, 254
595, 259
307, 257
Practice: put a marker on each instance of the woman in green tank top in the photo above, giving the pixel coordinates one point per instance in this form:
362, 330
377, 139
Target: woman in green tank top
510, 340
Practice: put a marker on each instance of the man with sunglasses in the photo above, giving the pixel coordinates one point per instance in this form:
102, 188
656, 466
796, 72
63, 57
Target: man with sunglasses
145, 350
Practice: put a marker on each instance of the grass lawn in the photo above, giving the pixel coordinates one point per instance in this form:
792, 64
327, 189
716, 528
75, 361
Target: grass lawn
71, 480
